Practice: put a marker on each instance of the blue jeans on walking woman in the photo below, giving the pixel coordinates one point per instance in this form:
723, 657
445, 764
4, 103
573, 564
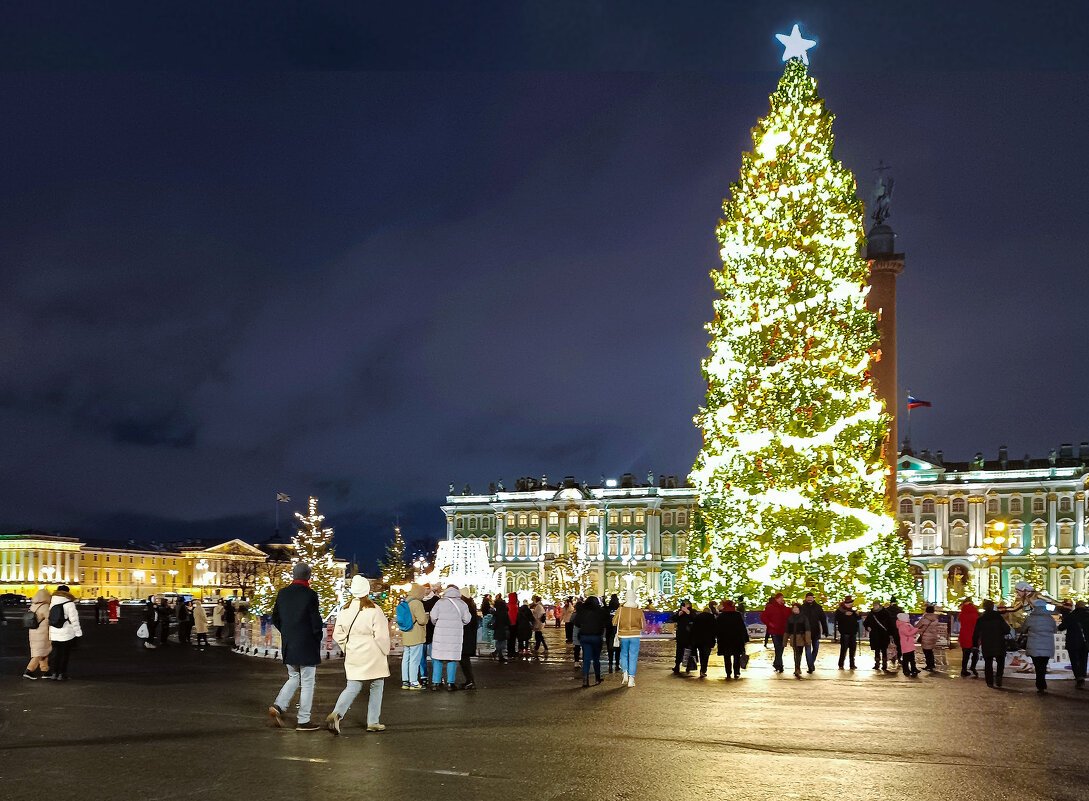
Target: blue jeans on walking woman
374, 702
591, 652
410, 664
436, 671
629, 654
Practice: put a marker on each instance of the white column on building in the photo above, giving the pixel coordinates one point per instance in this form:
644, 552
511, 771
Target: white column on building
500, 519
3, 565
942, 510
584, 527
1079, 520
72, 567
1079, 579
450, 527
544, 532
1052, 520
937, 593
654, 533
1053, 580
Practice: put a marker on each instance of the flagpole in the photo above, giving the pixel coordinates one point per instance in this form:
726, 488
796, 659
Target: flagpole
277, 516
909, 417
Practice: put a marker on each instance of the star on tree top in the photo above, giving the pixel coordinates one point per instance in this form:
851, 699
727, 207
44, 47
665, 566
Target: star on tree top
795, 45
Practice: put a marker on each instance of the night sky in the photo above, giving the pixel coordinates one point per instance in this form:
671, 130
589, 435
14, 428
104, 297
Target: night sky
362, 254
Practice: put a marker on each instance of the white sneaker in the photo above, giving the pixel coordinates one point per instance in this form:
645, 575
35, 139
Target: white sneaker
631, 681
624, 678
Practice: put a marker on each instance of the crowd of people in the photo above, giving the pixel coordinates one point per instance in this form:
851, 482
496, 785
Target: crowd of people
189, 617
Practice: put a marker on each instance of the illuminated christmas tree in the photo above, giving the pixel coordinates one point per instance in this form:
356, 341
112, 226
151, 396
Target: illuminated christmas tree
394, 572
313, 544
790, 476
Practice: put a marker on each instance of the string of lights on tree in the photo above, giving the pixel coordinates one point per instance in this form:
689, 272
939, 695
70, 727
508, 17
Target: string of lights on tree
790, 476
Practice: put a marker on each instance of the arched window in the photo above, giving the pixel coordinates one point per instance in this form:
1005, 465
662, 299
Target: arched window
510, 584
906, 506
614, 517
458, 524
682, 518
992, 505
612, 581
667, 546
667, 583
510, 519
521, 546
534, 546
667, 518
1015, 504
640, 516
640, 543
509, 545
625, 544
1039, 536
534, 519
572, 543
927, 539
591, 545
523, 520
1066, 583
625, 515
553, 518
472, 523
928, 506
1066, 536
572, 518
523, 583
1065, 504
1038, 504
958, 538
612, 543
552, 545
682, 545
957, 506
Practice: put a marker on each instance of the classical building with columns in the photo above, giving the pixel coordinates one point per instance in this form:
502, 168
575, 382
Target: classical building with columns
620, 526
979, 527
129, 569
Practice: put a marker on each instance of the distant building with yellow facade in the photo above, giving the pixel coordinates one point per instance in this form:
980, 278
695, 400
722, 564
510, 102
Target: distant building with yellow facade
129, 569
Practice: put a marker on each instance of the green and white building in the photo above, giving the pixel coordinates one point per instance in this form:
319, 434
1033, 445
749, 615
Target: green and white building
621, 526
957, 514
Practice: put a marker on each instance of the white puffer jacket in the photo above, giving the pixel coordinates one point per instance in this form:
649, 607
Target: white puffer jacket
70, 630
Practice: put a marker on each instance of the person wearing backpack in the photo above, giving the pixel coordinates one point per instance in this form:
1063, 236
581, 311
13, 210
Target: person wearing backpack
39, 635
63, 630
412, 619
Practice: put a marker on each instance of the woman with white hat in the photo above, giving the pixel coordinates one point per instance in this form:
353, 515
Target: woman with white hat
362, 632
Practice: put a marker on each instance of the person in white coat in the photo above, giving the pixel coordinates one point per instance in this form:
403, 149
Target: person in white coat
62, 637
362, 632
450, 615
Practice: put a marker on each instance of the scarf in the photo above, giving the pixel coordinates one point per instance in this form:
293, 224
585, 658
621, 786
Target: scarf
300, 581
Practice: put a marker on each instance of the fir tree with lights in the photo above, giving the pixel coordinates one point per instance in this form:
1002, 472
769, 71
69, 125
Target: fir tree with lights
313, 544
790, 476
394, 571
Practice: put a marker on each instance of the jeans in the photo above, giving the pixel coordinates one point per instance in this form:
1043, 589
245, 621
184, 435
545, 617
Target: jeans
991, 672
629, 654
735, 659
811, 653
847, 647
591, 653
538, 640
374, 701
1078, 659
1040, 663
966, 655
295, 675
410, 663
777, 643
60, 653
436, 671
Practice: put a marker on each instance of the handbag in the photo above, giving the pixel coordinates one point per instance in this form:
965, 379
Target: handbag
616, 637
142, 632
744, 660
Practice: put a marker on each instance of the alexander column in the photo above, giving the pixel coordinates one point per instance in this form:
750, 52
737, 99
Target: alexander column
885, 265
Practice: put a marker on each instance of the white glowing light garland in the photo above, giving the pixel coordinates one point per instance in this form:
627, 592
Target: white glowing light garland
790, 477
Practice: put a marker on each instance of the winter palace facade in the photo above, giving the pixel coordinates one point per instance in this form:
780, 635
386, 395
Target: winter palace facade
977, 528
623, 526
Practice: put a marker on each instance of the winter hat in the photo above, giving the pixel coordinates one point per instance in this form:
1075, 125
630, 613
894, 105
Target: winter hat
301, 572
902, 616
360, 586
848, 600
631, 600
728, 606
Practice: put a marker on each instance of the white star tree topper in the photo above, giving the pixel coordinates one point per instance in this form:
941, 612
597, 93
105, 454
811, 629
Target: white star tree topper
795, 45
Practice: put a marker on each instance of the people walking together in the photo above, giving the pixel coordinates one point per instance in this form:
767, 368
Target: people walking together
797, 635
297, 616
64, 630
40, 646
818, 627
969, 654
928, 627
362, 632
703, 638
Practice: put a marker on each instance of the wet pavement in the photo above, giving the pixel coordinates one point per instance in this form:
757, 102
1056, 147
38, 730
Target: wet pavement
177, 723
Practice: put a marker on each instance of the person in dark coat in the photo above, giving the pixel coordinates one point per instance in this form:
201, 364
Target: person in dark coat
610, 633
797, 635
818, 627
879, 626
165, 613
468, 644
591, 621
847, 620
151, 618
683, 619
703, 638
434, 592
990, 636
525, 628
731, 634
228, 620
1075, 622
185, 621
297, 615
500, 627
893, 610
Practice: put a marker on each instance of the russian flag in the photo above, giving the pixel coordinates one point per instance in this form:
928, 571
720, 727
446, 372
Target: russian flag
914, 403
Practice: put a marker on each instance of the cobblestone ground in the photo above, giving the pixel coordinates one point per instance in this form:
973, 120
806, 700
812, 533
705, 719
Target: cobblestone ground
177, 723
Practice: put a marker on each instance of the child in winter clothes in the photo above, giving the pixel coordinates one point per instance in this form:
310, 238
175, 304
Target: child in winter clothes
907, 644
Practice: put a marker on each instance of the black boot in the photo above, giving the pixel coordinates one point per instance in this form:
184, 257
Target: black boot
585, 679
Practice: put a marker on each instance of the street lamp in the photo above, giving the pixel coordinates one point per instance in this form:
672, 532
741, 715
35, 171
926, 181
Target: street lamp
49, 572
994, 545
202, 566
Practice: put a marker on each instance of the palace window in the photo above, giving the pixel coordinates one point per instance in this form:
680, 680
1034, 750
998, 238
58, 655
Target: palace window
1015, 504
472, 523
682, 518
957, 506
667, 583
572, 518
1038, 505
572, 543
107, 575
1066, 536
614, 517
667, 545
552, 544
625, 545
459, 524
1039, 537
612, 543
1065, 505
553, 518
906, 506
96, 575
534, 546
640, 516
509, 548
534, 519
682, 544
510, 519
1066, 584
667, 518
591, 545
521, 546
594, 518
639, 545
523, 520
928, 506
612, 581
625, 516
992, 505
486, 521
927, 539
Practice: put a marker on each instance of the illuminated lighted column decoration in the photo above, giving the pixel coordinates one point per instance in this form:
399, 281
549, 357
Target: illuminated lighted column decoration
975, 521
584, 527
4, 564
544, 532
1052, 522
1079, 521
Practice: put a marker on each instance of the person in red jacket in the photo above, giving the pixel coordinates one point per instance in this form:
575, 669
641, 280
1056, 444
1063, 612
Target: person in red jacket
774, 617
969, 614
